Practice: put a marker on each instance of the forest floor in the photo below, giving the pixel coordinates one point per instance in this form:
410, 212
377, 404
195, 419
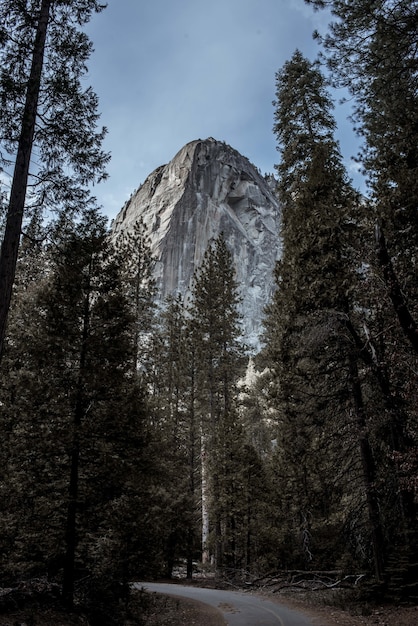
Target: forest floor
323, 610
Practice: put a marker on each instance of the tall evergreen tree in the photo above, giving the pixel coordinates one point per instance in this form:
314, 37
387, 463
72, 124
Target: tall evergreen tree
172, 381
44, 106
369, 46
134, 248
306, 326
80, 430
215, 331
371, 49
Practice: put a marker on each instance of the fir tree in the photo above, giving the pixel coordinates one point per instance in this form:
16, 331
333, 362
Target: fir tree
44, 106
134, 250
371, 49
306, 323
80, 430
215, 331
368, 47
173, 398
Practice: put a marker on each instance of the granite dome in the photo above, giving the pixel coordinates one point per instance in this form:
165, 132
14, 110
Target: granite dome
206, 189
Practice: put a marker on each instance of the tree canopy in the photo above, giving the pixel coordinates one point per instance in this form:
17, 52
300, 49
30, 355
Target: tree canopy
45, 110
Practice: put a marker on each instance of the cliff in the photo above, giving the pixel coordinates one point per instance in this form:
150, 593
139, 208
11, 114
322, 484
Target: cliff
208, 188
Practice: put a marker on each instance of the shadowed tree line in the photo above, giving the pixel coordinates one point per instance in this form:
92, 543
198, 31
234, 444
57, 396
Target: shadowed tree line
135, 439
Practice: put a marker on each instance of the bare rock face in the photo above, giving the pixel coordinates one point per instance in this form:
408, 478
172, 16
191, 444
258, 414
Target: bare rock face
209, 188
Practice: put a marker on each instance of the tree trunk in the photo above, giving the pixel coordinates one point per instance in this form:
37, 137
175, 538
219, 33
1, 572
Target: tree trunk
368, 471
189, 560
407, 322
219, 551
219, 535
399, 441
192, 488
70, 535
171, 552
11, 239
79, 413
205, 504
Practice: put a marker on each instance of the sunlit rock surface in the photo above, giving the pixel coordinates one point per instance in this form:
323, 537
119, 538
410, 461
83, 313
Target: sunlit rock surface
206, 189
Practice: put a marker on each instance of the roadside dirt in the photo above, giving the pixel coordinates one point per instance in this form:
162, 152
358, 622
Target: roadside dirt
169, 611
317, 606
160, 611
175, 612
355, 615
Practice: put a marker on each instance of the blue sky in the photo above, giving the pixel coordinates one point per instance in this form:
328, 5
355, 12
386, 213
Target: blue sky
171, 71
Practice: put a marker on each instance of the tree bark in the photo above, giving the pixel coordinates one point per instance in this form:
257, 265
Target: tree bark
407, 322
368, 471
79, 413
71, 535
399, 440
11, 239
205, 503
192, 487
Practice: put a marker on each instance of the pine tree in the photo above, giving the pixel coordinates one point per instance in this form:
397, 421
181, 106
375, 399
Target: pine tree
173, 398
134, 249
215, 331
306, 325
79, 424
44, 106
371, 49
257, 506
368, 47
25, 447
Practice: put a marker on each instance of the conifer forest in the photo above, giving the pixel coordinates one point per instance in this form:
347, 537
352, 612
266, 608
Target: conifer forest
136, 439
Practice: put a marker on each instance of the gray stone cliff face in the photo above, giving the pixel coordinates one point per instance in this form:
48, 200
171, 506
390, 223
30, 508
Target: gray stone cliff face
209, 188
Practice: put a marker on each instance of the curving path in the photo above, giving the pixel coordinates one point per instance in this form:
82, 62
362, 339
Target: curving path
238, 609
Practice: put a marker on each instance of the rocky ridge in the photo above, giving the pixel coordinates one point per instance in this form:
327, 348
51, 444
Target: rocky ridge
206, 189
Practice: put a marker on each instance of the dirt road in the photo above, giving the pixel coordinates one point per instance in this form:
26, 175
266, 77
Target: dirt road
237, 609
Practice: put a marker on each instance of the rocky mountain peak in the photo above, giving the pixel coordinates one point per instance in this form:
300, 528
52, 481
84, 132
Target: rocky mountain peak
206, 189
